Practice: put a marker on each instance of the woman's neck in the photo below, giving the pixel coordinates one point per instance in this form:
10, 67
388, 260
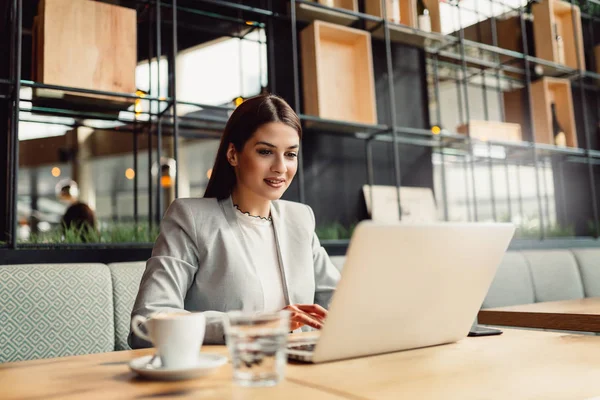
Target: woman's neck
251, 203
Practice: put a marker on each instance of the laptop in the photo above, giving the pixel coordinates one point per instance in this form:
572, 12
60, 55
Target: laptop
406, 286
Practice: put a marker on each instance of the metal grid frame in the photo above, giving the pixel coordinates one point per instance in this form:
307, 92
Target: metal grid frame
441, 51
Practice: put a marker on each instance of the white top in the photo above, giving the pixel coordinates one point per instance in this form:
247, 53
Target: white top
260, 238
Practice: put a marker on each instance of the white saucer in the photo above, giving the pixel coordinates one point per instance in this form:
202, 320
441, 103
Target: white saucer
207, 363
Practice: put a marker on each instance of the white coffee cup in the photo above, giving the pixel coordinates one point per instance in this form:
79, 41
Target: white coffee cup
177, 337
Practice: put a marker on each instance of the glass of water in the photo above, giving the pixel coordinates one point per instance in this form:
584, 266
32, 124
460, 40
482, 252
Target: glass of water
257, 345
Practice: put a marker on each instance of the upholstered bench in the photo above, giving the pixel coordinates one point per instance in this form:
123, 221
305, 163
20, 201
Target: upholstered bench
56, 310
533, 276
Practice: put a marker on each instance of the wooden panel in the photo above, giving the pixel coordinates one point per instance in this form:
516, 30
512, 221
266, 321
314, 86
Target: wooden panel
351, 5
374, 7
310, 83
337, 69
88, 44
573, 42
542, 118
309, 13
577, 315
560, 91
44, 151
545, 46
517, 364
515, 105
543, 93
548, 13
107, 376
434, 13
492, 130
509, 34
597, 58
408, 13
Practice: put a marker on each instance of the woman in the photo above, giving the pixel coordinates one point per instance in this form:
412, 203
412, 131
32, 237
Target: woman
80, 218
239, 247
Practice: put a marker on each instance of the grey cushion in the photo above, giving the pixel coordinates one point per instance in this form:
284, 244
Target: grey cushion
555, 275
55, 310
589, 268
338, 261
512, 284
126, 279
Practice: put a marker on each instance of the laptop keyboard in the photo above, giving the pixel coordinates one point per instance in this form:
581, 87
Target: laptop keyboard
303, 347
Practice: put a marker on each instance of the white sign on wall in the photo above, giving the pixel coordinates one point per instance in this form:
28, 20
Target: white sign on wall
418, 204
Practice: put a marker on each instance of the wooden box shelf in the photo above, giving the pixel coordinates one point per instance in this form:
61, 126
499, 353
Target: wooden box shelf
556, 17
544, 92
492, 130
509, 33
85, 44
309, 13
351, 5
337, 72
407, 14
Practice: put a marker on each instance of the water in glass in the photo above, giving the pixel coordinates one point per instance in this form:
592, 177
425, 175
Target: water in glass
257, 344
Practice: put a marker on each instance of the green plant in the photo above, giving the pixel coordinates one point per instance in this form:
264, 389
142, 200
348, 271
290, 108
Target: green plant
334, 231
526, 231
108, 233
591, 224
529, 228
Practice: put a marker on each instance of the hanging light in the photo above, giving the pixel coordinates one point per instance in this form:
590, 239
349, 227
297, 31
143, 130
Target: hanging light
168, 171
129, 173
238, 100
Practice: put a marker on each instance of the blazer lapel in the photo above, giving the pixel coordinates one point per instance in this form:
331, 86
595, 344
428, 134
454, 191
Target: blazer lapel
282, 250
229, 211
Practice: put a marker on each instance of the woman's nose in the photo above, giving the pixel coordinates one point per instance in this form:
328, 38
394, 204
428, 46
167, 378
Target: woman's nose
279, 165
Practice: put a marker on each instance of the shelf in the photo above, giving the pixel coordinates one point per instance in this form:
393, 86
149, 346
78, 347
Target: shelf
430, 41
318, 125
100, 55
483, 56
555, 18
308, 12
337, 72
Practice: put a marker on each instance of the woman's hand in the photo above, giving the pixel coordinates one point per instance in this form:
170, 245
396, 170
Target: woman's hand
312, 315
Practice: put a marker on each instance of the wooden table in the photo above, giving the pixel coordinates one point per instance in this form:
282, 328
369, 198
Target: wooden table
573, 315
516, 364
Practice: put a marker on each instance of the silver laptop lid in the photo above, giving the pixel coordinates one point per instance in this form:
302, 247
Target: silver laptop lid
406, 286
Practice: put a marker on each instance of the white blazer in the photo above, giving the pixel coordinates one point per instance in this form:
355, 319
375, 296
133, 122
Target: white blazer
200, 262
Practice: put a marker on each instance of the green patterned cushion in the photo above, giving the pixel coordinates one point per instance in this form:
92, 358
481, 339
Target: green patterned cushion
126, 279
55, 310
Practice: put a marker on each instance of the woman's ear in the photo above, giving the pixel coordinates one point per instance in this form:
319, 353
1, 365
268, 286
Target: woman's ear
232, 155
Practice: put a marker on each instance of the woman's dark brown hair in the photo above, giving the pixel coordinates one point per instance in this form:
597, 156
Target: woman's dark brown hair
242, 124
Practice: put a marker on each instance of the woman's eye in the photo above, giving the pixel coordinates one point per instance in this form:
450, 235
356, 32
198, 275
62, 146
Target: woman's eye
292, 155
264, 152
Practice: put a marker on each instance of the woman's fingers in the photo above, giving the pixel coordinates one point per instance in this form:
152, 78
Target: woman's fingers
306, 319
312, 315
312, 309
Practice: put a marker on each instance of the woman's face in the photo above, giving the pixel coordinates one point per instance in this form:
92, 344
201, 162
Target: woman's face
268, 162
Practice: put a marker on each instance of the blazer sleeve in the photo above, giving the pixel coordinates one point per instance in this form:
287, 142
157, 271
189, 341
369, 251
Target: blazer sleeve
327, 275
170, 273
